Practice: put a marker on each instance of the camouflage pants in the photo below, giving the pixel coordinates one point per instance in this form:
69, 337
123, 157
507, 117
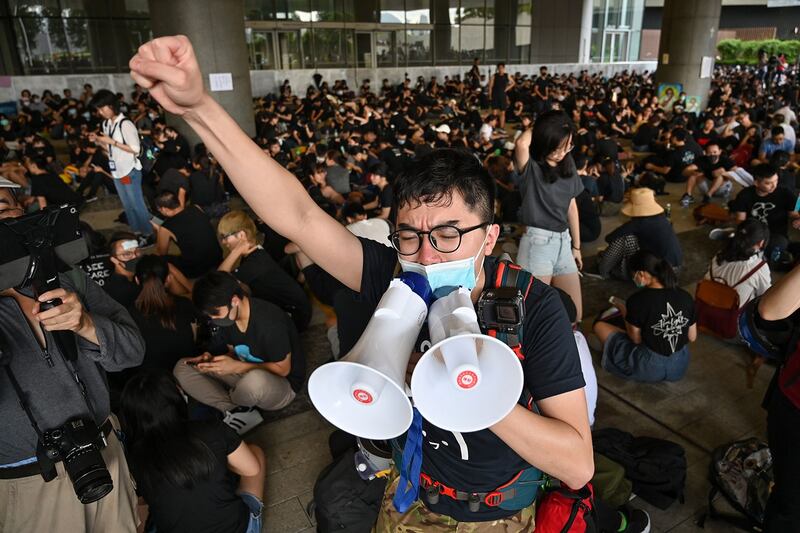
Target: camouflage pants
419, 519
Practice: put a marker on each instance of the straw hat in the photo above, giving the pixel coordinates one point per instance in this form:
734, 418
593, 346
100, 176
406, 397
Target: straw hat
642, 204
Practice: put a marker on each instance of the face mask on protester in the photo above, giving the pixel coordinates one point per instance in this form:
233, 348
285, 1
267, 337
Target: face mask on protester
226, 320
445, 277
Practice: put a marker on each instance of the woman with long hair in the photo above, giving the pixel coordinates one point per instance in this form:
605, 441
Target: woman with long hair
167, 322
659, 324
186, 471
740, 263
551, 247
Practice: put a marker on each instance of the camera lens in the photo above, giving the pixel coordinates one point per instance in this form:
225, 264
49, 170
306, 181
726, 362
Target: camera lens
90, 477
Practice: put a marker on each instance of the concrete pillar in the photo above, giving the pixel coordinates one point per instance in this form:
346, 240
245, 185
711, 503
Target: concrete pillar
688, 33
10, 64
216, 29
585, 46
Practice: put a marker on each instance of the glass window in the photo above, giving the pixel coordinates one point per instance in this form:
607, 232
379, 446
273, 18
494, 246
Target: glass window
524, 10
259, 9
520, 50
446, 39
472, 44
419, 47
262, 50
138, 32
392, 12
33, 8
137, 8
289, 49
418, 11
386, 48
327, 10
42, 45
473, 12
293, 10
329, 51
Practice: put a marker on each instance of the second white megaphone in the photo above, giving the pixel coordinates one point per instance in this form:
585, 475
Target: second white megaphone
466, 381
364, 393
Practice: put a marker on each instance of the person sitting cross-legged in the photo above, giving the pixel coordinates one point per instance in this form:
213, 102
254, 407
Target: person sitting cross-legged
258, 362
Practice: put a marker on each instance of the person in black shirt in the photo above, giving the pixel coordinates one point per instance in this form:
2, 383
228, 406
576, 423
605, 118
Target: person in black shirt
648, 229
176, 182
205, 188
588, 217
195, 476
646, 135
715, 167
611, 186
770, 204
49, 189
192, 231
659, 325
258, 270
379, 178
260, 362
680, 161
445, 187
124, 252
499, 85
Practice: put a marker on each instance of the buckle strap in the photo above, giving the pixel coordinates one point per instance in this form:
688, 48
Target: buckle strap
433, 489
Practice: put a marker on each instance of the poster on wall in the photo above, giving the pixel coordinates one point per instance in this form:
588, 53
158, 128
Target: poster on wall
668, 94
693, 104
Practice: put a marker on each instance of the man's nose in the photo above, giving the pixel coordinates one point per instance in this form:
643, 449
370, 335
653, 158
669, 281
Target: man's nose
427, 254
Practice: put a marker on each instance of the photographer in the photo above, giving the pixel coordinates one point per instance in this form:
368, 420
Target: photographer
56, 391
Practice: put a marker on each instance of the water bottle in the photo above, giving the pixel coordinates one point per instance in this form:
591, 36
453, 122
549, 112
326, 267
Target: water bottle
668, 211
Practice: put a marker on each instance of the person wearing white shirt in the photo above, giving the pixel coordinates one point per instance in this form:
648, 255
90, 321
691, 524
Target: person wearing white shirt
121, 140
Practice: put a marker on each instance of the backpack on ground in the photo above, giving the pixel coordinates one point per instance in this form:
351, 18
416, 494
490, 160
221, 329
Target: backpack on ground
742, 472
343, 501
656, 467
717, 303
564, 510
609, 482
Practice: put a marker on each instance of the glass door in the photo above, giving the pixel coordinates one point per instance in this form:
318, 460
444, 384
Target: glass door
364, 57
289, 49
615, 46
262, 50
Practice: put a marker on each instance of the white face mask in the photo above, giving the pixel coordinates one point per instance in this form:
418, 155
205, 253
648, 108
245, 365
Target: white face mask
445, 277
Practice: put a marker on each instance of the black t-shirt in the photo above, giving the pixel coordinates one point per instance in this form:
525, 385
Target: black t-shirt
645, 135
606, 148
588, 217
680, 158
268, 281
98, 267
611, 187
551, 367
270, 336
385, 196
195, 236
664, 316
203, 188
655, 235
54, 190
173, 180
708, 167
163, 346
121, 289
702, 138
772, 209
211, 506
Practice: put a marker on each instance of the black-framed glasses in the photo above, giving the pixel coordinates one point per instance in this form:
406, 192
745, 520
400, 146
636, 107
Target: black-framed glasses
445, 238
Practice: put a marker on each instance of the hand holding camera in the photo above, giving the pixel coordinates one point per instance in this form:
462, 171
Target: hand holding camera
69, 315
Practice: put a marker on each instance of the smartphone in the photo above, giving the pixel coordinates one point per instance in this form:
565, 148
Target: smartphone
616, 302
157, 221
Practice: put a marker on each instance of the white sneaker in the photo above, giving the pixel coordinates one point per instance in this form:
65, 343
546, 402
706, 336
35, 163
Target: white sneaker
721, 234
243, 419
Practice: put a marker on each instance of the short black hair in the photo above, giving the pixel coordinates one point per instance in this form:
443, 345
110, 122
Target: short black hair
777, 130
214, 290
779, 159
167, 199
434, 177
352, 210
680, 134
105, 97
762, 172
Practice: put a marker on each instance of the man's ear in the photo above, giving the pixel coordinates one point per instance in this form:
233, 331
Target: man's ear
491, 238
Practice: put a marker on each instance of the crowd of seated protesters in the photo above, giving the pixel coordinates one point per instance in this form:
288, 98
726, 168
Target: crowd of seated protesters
220, 299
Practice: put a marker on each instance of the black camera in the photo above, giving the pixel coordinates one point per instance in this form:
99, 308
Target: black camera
501, 309
77, 444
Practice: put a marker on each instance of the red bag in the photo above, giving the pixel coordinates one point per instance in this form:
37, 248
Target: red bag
717, 304
564, 510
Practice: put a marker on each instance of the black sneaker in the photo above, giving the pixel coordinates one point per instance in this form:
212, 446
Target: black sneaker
634, 521
687, 199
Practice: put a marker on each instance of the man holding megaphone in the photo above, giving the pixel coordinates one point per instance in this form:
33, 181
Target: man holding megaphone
443, 209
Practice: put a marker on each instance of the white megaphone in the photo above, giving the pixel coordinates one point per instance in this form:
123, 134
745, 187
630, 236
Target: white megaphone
466, 381
364, 393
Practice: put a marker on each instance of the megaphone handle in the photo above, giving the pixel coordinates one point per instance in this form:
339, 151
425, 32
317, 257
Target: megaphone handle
411, 467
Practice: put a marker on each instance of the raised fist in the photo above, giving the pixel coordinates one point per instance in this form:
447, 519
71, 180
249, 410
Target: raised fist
168, 68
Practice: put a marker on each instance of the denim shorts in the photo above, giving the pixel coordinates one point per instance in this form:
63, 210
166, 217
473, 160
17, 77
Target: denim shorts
546, 253
256, 506
637, 362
